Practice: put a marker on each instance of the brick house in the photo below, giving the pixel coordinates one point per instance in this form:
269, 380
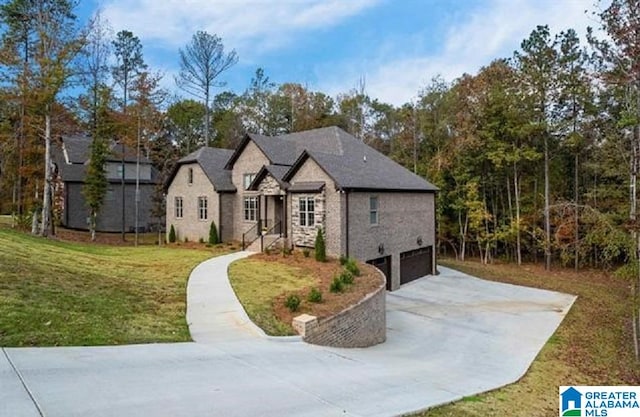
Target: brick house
286, 187
70, 158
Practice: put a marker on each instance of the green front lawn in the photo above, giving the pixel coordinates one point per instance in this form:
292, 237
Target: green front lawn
592, 346
257, 283
58, 293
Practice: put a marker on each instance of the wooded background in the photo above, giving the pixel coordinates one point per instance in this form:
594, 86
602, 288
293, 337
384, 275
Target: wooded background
536, 156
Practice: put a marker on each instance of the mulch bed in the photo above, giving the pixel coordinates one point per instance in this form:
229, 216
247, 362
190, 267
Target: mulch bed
324, 272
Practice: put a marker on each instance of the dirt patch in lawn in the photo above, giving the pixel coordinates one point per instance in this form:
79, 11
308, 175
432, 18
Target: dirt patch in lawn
304, 273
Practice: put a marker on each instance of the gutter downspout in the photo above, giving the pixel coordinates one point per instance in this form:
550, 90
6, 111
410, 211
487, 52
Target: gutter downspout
347, 222
219, 215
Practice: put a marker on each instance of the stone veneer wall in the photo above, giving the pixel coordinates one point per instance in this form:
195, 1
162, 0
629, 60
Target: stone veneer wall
269, 186
361, 325
306, 235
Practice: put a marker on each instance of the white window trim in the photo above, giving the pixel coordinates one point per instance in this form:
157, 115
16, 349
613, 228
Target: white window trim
201, 207
307, 214
175, 208
246, 209
245, 183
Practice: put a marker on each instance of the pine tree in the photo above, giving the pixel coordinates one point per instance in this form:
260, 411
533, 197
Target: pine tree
213, 234
321, 251
172, 234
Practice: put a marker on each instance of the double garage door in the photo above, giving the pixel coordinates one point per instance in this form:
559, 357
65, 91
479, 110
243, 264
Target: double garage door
415, 264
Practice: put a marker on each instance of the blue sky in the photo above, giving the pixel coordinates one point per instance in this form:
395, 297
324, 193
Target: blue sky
396, 46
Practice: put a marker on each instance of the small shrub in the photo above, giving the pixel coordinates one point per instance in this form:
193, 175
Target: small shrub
336, 285
315, 295
321, 250
286, 251
343, 260
213, 234
346, 277
186, 239
172, 234
352, 266
208, 245
306, 252
267, 251
201, 240
292, 302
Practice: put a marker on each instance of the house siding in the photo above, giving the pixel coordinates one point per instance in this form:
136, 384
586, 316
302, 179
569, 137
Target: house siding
190, 226
112, 171
250, 161
402, 218
109, 218
330, 217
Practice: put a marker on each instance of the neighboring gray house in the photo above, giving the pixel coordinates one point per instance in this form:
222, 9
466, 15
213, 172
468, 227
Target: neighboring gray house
71, 158
288, 186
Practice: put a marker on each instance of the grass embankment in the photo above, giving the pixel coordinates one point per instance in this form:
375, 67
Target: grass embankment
592, 346
55, 293
263, 282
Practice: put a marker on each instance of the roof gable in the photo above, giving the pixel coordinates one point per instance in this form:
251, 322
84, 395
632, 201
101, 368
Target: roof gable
212, 161
262, 142
275, 171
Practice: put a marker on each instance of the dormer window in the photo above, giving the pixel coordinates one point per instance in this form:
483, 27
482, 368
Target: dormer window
190, 176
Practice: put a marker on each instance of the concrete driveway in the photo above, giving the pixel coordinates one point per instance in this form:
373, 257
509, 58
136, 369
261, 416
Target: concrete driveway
448, 336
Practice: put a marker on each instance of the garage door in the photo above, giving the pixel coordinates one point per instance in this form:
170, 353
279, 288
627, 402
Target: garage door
415, 264
384, 265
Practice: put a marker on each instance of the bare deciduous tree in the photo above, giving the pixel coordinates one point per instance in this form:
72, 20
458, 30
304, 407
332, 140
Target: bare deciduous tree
201, 62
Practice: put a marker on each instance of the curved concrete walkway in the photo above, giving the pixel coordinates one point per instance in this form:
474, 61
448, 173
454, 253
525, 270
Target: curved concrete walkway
448, 336
214, 314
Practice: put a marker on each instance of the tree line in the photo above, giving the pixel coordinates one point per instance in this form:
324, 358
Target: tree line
536, 155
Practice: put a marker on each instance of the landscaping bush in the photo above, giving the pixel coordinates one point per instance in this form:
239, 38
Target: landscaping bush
315, 296
346, 277
336, 285
201, 240
306, 252
352, 266
286, 251
172, 235
343, 260
292, 302
213, 234
321, 250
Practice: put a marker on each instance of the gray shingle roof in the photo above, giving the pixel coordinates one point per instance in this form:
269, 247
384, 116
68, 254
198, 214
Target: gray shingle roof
353, 164
350, 162
77, 148
212, 161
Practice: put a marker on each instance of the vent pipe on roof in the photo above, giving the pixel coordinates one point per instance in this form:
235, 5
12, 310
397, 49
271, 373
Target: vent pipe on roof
364, 158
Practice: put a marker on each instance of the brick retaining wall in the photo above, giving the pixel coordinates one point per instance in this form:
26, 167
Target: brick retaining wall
361, 325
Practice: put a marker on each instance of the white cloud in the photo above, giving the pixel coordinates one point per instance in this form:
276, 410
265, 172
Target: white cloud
487, 33
263, 24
